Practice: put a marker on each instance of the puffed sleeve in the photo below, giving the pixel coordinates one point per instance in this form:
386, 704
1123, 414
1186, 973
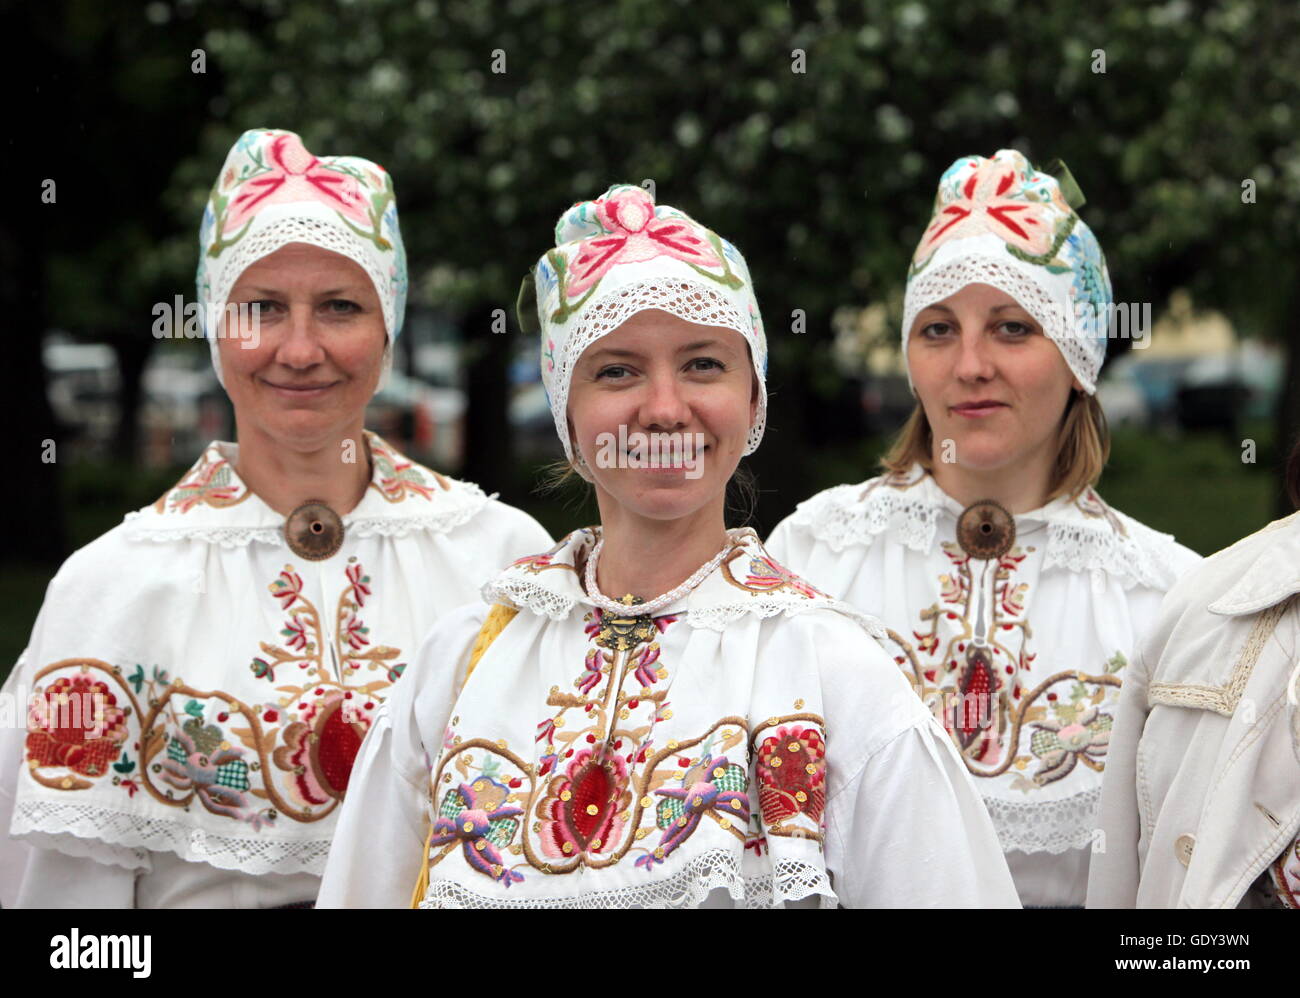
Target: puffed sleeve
1113, 875
375, 857
910, 831
499, 535
788, 545
905, 825
63, 872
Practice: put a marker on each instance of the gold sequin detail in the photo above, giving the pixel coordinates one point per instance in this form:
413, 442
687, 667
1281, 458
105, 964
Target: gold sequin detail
592, 809
565, 795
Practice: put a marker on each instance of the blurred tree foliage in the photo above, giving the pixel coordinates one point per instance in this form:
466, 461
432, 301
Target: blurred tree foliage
811, 135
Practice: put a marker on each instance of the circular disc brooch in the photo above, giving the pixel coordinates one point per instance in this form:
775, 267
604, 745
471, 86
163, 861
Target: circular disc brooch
986, 530
313, 531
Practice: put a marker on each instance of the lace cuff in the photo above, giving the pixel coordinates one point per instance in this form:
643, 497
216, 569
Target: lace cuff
1046, 826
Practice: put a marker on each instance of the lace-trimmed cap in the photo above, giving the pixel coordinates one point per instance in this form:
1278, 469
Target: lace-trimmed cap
623, 254
272, 192
1001, 222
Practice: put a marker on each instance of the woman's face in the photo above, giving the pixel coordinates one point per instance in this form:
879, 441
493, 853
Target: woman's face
989, 380
317, 355
661, 390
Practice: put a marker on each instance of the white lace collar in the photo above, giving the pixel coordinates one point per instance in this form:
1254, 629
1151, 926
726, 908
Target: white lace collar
1083, 534
211, 503
748, 581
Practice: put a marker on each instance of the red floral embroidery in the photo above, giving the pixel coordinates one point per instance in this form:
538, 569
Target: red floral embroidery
636, 235
358, 581
296, 175
983, 208
287, 588
320, 747
582, 808
792, 773
76, 723
767, 576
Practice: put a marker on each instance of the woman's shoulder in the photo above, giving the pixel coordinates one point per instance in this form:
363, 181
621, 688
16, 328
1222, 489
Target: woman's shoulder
1250, 575
1087, 533
900, 504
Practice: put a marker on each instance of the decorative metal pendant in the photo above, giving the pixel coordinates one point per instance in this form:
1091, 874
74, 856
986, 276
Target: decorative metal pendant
986, 530
314, 531
619, 633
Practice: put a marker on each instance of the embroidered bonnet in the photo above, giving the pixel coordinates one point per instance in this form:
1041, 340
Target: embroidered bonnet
1001, 222
272, 192
623, 254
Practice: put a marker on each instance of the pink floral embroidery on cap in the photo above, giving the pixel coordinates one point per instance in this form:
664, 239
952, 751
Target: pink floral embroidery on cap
297, 175
636, 235
983, 207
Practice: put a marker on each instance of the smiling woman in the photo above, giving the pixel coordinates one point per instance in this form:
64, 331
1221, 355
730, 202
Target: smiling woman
1014, 594
722, 733
237, 638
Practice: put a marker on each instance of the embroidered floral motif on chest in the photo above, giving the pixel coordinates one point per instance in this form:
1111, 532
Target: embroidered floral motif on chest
974, 665
606, 786
291, 756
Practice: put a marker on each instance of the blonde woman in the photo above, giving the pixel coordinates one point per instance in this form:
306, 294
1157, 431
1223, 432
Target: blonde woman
654, 712
200, 677
1014, 595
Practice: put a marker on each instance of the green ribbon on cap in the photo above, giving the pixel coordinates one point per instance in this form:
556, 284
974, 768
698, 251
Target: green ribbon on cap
526, 306
1070, 189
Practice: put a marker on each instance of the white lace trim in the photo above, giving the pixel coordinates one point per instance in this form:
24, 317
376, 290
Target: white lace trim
525, 595
226, 537
224, 271
1007, 274
791, 880
1080, 548
690, 300
370, 526
716, 618
57, 825
838, 519
1046, 826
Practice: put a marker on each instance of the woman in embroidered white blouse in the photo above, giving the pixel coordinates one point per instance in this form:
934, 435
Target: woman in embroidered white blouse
199, 679
1013, 594
741, 739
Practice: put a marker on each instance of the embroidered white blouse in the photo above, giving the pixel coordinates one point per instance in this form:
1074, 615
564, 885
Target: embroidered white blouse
749, 745
1020, 656
196, 693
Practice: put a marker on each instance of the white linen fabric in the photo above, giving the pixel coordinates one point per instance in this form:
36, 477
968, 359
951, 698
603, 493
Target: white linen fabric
1201, 806
196, 693
750, 745
1021, 657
